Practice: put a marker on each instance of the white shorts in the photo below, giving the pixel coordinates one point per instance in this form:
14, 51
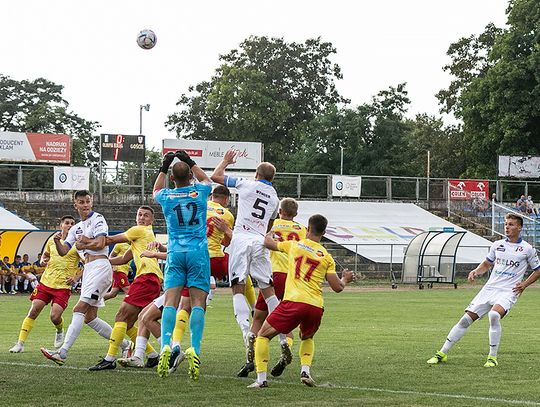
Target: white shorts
96, 280
488, 297
249, 256
159, 302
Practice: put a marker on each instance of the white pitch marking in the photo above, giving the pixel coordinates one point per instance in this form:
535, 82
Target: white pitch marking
327, 385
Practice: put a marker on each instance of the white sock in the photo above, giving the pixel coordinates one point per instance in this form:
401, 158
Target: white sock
305, 368
457, 332
101, 327
74, 329
210, 296
272, 302
241, 312
25, 285
261, 377
495, 331
140, 347
34, 284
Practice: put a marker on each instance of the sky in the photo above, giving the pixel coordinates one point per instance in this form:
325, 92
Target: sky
90, 48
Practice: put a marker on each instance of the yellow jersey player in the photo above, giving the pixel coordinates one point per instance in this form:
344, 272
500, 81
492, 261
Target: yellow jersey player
120, 272
146, 286
309, 265
55, 286
284, 229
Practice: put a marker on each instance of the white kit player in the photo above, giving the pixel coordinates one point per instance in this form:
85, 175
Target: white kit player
89, 237
257, 208
509, 258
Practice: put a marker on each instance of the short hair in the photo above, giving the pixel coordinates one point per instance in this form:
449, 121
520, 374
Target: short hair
221, 190
63, 218
317, 224
18, 256
289, 206
266, 171
148, 208
515, 217
181, 172
81, 194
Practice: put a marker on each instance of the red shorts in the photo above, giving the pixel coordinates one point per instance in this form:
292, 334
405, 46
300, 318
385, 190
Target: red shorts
185, 292
279, 280
289, 314
144, 289
46, 294
219, 267
120, 280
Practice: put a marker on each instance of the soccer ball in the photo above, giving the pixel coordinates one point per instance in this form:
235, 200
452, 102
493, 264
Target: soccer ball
146, 39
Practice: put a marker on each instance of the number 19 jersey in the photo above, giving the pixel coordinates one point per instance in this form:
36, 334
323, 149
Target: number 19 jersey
185, 214
257, 204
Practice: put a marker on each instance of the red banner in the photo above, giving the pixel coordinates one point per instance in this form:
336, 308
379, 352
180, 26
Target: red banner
468, 189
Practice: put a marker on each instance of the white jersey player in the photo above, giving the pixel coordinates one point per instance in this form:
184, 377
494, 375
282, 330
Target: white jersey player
257, 207
89, 237
509, 259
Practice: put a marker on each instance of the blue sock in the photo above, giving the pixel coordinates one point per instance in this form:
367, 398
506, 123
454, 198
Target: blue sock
168, 320
196, 326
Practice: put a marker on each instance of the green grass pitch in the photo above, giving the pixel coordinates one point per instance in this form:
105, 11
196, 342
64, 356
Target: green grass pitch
371, 350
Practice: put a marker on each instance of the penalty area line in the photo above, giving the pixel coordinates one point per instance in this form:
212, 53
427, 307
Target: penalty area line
326, 385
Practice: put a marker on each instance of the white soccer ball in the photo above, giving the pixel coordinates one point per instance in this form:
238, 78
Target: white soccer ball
146, 39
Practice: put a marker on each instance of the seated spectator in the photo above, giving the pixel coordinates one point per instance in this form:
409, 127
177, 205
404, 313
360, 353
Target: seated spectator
521, 204
531, 210
5, 274
494, 197
38, 268
27, 272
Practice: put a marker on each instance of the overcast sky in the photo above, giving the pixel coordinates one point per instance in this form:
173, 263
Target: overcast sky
90, 47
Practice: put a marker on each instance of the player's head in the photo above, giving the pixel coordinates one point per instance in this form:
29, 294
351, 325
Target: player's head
317, 225
18, 258
221, 195
145, 215
6, 259
265, 171
512, 225
181, 174
66, 222
25, 257
83, 202
288, 208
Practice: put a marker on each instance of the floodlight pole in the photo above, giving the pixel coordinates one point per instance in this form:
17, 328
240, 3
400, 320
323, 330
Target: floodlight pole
147, 108
427, 190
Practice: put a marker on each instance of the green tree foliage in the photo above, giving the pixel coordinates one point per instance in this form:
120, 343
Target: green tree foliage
263, 91
38, 106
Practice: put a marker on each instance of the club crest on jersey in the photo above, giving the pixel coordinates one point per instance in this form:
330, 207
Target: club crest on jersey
319, 253
193, 194
297, 227
500, 248
220, 211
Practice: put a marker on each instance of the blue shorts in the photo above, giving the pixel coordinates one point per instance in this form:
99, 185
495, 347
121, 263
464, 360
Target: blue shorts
188, 269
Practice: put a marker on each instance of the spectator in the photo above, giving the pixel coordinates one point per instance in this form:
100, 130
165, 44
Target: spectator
38, 268
494, 197
521, 204
531, 210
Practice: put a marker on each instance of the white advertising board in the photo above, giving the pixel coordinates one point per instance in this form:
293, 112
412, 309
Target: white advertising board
346, 186
71, 178
519, 166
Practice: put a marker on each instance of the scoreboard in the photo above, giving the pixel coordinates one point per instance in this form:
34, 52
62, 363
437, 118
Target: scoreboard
121, 147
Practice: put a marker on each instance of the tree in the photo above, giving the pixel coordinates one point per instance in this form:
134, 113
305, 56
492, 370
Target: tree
38, 106
262, 92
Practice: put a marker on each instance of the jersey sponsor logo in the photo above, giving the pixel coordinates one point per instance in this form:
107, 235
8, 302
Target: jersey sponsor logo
506, 262
220, 211
297, 227
193, 194
319, 253
500, 249
262, 193
519, 249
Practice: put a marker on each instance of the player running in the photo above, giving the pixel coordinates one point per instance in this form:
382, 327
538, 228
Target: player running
509, 258
188, 263
146, 286
309, 265
55, 287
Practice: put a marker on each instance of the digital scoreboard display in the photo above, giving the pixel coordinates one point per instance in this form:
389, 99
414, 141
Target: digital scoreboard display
121, 147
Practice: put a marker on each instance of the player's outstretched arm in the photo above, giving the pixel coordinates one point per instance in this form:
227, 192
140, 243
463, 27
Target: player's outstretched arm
198, 173
61, 248
124, 259
338, 284
119, 238
218, 175
478, 271
96, 243
269, 242
520, 287
165, 164
154, 255
156, 246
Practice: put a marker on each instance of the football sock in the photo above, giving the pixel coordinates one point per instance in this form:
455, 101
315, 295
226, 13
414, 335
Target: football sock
249, 292
495, 331
117, 336
262, 351
25, 285
457, 332
77, 322
306, 351
26, 327
289, 342
210, 296
272, 302
140, 346
60, 326
168, 320
241, 313
196, 326
101, 327
132, 333
182, 318
33, 284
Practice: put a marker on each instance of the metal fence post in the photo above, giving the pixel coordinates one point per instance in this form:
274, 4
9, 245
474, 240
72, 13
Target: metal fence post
298, 186
19, 178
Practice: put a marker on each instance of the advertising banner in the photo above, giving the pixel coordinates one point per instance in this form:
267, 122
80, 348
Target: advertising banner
519, 166
208, 154
346, 186
71, 178
461, 189
35, 147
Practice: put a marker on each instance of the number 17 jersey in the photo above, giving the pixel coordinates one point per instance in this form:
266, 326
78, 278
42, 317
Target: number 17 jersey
185, 214
257, 204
